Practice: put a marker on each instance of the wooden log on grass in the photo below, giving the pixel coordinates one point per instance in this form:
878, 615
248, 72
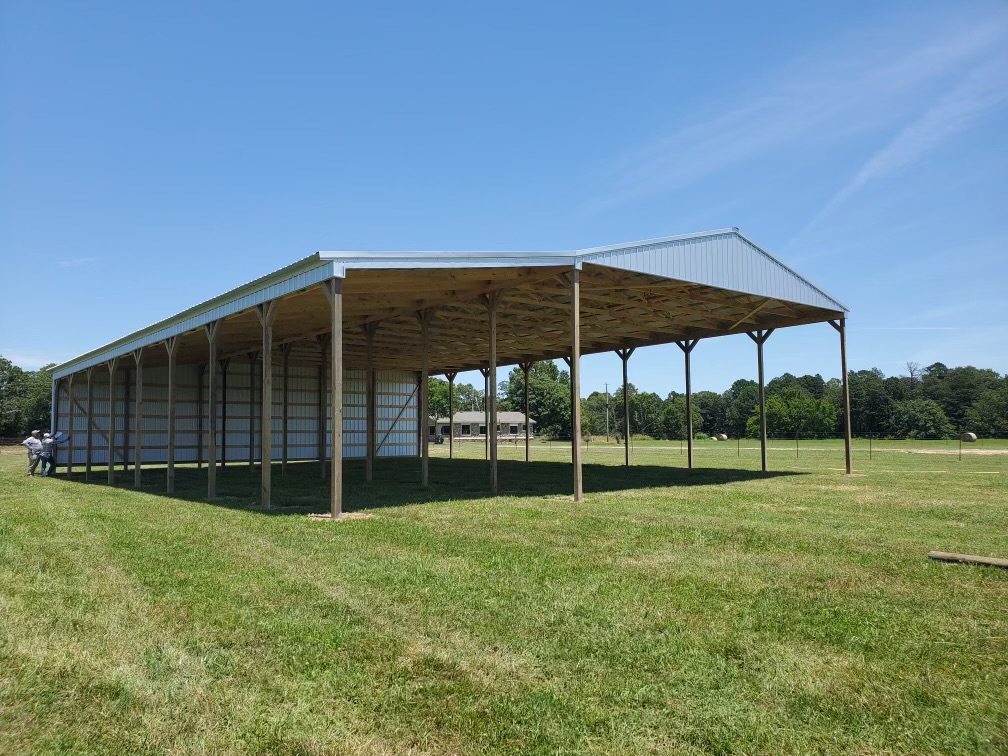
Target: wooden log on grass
945, 556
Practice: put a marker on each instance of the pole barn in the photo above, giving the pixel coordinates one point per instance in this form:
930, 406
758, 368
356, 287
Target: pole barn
343, 337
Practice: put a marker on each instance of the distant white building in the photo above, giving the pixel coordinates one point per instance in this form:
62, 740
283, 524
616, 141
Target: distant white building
472, 425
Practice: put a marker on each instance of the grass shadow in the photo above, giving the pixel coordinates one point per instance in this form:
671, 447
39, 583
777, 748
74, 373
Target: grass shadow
396, 482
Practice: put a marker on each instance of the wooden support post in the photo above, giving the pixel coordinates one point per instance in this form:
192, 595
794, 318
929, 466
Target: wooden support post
252, 357
199, 422
485, 372
333, 289
575, 375
451, 413
841, 328
760, 338
324, 341
372, 401
212, 330
171, 346
687, 348
113, 366
525, 367
267, 314
285, 350
88, 449
126, 419
138, 355
423, 416
224, 364
624, 355
491, 301
71, 416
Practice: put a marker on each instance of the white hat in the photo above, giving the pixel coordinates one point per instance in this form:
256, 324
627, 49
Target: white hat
46, 435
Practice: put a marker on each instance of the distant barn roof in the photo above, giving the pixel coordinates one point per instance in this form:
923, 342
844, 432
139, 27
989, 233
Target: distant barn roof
479, 417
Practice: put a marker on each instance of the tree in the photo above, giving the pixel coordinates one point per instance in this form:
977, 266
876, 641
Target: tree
920, 418
674, 420
13, 383
549, 397
437, 397
740, 400
988, 416
713, 410
593, 414
646, 413
468, 398
871, 406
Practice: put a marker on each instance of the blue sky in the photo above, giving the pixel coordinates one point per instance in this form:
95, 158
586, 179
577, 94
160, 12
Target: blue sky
194, 146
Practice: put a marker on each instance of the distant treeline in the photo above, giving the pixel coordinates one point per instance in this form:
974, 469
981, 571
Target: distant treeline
25, 398
931, 402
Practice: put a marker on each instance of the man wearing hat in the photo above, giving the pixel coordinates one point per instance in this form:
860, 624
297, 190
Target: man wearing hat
48, 454
34, 445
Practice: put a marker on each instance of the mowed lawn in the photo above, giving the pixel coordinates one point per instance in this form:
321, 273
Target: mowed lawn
716, 610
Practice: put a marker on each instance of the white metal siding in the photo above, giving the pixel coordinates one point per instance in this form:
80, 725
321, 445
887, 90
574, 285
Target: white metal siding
395, 391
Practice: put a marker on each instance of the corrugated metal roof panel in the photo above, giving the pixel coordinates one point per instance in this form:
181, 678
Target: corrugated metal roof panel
723, 259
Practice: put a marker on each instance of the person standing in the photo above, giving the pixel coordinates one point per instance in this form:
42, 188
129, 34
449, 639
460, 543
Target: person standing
48, 454
34, 446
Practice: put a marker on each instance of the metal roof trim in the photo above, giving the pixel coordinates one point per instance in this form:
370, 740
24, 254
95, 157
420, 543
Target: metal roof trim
358, 260
310, 270
598, 251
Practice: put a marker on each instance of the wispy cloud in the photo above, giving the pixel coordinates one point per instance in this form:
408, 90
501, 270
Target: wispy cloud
833, 95
77, 262
982, 89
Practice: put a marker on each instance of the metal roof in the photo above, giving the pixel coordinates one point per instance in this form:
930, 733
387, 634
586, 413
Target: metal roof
724, 259
475, 416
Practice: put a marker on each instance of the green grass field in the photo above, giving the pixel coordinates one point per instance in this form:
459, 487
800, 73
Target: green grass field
716, 610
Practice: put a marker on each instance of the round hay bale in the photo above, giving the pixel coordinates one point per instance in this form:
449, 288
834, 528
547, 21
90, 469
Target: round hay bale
968, 437
722, 436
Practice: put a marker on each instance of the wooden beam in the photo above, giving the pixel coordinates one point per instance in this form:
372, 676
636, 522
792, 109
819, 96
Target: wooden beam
624, 355
126, 403
687, 348
223, 364
491, 301
212, 331
252, 356
451, 413
760, 338
285, 350
138, 355
485, 372
424, 317
945, 556
267, 314
71, 416
575, 375
841, 328
113, 366
202, 415
323, 343
372, 402
333, 288
171, 346
525, 367
90, 425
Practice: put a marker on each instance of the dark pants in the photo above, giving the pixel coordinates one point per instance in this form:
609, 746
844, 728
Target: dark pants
48, 463
33, 460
